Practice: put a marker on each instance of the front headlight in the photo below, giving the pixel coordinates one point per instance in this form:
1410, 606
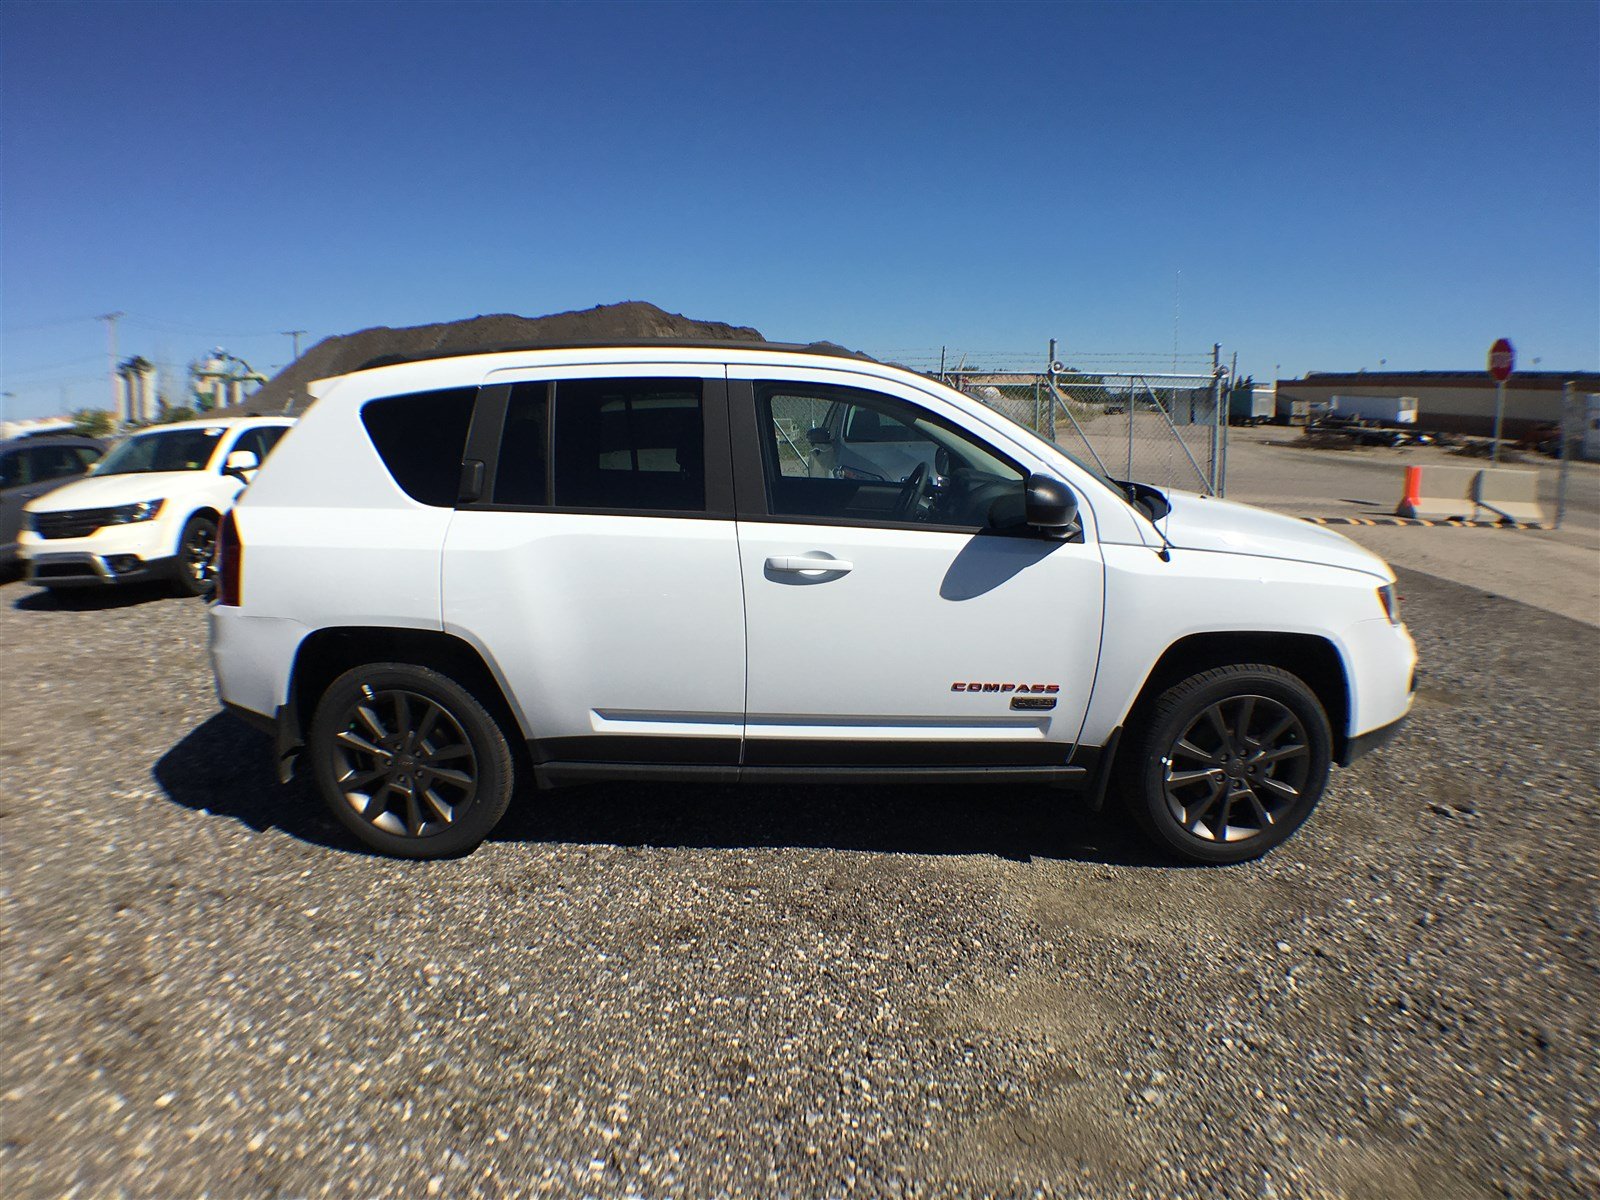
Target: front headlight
131, 514
1390, 599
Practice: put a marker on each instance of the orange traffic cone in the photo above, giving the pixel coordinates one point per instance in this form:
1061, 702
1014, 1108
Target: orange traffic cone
1411, 500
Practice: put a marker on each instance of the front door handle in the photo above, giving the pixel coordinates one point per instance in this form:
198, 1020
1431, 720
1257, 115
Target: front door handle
809, 564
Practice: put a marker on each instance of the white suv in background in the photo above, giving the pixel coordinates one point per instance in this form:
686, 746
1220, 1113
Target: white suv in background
626, 564
149, 509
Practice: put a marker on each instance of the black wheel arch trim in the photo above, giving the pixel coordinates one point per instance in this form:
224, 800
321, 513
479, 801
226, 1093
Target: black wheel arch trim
1313, 659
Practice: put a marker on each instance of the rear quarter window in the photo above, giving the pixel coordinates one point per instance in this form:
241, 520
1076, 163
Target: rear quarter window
422, 438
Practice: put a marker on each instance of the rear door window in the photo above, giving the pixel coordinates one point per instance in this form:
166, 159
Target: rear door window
422, 438
634, 444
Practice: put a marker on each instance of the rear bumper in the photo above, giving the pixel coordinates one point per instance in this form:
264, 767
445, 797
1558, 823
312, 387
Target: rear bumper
1366, 743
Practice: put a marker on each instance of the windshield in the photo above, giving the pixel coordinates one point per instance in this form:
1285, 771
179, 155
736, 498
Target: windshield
169, 450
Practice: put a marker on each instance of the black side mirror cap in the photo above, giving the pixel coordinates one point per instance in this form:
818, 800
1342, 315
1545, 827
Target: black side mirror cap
1050, 505
820, 435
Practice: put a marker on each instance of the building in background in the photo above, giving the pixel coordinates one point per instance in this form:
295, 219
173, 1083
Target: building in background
136, 398
1448, 401
222, 381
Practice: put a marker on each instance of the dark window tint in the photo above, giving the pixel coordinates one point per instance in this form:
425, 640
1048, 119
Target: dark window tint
52, 462
521, 475
10, 470
630, 444
261, 440
421, 439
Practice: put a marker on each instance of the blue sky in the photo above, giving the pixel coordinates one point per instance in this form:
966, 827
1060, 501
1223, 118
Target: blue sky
1338, 184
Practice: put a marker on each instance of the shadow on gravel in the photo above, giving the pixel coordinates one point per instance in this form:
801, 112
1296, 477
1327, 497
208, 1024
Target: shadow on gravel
89, 599
225, 767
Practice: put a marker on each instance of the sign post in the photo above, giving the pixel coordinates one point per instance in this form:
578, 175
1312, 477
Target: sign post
1502, 361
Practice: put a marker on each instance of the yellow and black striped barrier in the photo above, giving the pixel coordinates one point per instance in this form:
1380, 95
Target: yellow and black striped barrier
1446, 524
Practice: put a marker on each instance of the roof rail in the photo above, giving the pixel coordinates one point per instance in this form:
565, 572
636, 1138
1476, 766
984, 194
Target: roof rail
819, 348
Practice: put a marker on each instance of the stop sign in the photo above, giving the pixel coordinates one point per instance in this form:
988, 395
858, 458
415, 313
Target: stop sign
1502, 360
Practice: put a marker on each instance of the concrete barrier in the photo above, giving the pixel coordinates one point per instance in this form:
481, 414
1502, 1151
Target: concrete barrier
1438, 493
1510, 495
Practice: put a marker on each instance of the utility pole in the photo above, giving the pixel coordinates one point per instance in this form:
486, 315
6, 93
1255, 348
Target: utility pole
111, 320
296, 335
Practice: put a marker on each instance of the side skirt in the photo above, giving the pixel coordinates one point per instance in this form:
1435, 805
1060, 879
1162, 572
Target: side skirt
561, 774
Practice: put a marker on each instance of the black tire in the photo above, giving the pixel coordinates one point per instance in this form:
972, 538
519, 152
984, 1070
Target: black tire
428, 795
1227, 764
196, 567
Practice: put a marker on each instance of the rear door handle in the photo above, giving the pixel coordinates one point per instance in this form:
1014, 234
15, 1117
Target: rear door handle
811, 564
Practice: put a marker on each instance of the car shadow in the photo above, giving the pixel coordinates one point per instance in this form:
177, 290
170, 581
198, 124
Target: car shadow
89, 599
226, 768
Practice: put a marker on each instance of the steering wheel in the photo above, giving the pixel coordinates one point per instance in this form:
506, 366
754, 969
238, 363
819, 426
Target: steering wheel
916, 489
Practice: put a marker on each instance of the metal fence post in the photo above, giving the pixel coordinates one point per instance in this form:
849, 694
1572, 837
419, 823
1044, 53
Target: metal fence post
1216, 409
1571, 430
1050, 370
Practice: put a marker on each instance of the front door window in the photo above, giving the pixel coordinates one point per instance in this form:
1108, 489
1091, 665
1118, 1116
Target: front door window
840, 453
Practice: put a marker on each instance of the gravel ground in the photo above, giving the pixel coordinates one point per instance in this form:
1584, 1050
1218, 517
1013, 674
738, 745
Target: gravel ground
206, 989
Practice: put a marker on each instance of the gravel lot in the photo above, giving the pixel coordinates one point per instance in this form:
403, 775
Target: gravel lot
206, 989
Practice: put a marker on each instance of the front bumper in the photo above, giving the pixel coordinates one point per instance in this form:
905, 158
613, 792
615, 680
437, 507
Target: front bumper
79, 569
113, 554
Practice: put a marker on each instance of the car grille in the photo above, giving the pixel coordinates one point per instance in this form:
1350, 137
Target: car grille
74, 523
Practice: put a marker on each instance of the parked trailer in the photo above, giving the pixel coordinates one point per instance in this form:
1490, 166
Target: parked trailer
1252, 406
1387, 410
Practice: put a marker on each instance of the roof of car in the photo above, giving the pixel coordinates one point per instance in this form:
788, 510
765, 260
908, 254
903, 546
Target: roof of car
212, 422
50, 439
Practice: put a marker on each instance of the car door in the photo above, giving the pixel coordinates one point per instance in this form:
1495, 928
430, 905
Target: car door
30, 471
14, 493
911, 620
596, 562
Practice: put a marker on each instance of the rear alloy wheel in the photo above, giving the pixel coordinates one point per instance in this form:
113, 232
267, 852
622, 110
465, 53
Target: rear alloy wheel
409, 761
1229, 764
197, 557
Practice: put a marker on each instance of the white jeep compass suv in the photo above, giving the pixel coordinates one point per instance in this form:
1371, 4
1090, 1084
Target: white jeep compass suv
623, 563
149, 509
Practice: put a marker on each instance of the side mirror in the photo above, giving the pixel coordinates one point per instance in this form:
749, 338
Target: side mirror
241, 463
819, 435
1050, 506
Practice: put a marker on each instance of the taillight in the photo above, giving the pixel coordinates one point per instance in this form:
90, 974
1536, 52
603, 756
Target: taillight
230, 562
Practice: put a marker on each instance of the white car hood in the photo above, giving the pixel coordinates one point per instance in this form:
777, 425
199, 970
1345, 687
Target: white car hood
1205, 523
106, 491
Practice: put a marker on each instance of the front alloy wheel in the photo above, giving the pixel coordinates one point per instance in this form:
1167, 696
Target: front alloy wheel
1227, 763
1238, 769
197, 556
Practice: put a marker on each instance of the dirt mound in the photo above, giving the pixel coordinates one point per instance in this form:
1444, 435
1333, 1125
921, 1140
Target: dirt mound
631, 321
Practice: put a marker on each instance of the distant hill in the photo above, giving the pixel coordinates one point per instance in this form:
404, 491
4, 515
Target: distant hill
631, 321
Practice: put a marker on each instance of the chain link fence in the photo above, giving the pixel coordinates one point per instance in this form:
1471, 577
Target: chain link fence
1162, 424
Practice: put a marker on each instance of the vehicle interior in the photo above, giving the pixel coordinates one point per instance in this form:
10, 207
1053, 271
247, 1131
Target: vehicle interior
873, 457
